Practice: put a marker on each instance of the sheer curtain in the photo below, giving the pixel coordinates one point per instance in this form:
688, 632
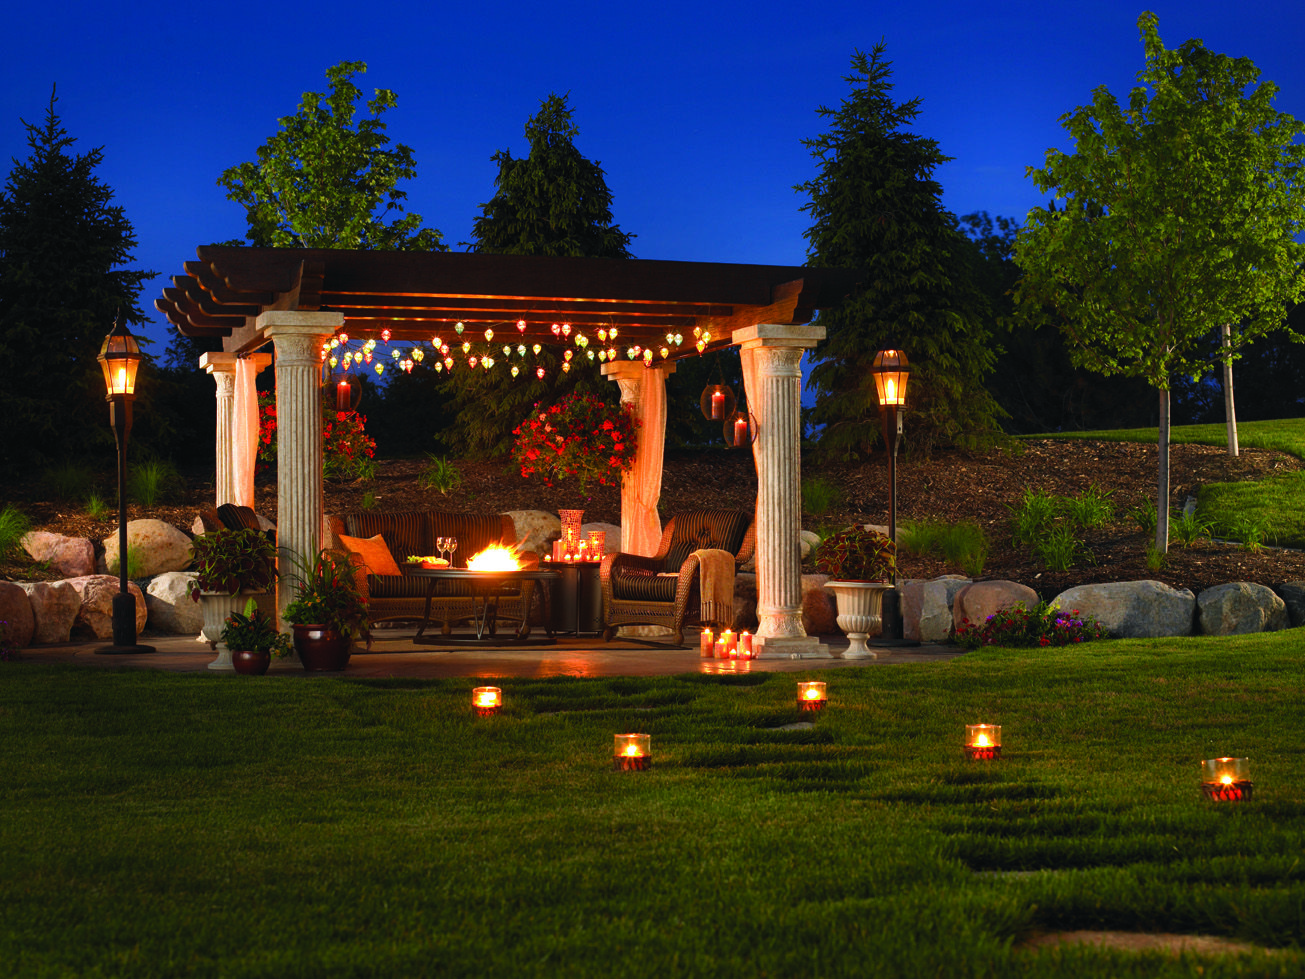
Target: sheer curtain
244, 432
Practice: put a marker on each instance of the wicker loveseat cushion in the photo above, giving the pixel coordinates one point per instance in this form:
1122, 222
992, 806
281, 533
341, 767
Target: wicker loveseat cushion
696, 529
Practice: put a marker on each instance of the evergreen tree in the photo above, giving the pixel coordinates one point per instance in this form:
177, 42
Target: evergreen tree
552, 202
321, 181
876, 208
63, 246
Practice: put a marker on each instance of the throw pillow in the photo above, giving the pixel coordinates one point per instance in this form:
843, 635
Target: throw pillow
375, 553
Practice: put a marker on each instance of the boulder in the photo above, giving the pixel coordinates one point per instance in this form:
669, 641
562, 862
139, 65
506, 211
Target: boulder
156, 545
933, 623
1238, 608
980, 599
809, 540
535, 527
611, 534
171, 610
55, 605
95, 614
16, 614
1133, 609
819, 607
70, 556
1292, 594
912, 603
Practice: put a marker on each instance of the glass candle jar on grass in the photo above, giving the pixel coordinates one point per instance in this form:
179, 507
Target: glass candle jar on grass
486, 701
811, 695
982, 742
632, 753
1226, 779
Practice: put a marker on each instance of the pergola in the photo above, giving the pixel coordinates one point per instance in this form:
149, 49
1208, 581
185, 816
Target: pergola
298, 299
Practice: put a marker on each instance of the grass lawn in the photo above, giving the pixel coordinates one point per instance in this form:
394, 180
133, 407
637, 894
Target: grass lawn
1275, 505
168, 825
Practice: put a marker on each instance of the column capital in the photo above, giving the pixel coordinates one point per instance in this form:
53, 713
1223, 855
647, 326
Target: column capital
802, 336
281, 321
217, 363
633, 370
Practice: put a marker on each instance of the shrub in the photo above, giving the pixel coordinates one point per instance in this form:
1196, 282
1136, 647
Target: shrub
1251, 530
1089, 509
1059, 549
962, 544
1187, 528
69, 481
135, 564
819, 496
96, 508
13, 525
153, 481
440, 475
856, 554
347, 449
1145, 517
1032, 516
1043, 625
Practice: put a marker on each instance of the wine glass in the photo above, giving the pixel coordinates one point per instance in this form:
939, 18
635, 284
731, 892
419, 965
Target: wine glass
439, 544
452, 544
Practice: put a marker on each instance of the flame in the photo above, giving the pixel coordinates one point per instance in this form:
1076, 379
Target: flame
982, 741
495, 557
631, 751
1226, 779
487, 699
811, 693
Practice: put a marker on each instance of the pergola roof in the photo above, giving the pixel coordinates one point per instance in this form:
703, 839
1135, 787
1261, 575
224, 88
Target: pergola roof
416, 294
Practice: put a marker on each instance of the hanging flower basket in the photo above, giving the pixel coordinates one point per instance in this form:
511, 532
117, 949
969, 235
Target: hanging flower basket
580, 437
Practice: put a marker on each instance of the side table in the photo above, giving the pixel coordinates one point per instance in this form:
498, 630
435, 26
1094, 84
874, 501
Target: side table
577, 598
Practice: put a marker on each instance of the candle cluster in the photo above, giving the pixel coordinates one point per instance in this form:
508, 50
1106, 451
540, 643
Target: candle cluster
727, 645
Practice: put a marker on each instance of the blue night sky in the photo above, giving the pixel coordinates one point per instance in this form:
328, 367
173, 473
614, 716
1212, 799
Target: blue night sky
695, 110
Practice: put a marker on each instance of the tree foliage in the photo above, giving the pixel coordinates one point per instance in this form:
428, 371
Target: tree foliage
1179, 213
63, 248
327, 180
876, 208
552, 202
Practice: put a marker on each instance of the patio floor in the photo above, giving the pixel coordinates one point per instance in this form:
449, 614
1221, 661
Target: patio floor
395, 655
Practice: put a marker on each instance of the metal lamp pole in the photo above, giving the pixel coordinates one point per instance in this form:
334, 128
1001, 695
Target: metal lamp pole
119, 358
891, 372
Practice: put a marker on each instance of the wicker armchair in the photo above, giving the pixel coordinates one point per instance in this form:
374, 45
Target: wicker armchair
663, 589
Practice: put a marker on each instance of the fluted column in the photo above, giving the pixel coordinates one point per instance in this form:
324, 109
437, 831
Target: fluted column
772, 376
644, 389
222, 366
297, 339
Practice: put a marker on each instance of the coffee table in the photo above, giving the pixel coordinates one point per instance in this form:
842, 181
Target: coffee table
486, 588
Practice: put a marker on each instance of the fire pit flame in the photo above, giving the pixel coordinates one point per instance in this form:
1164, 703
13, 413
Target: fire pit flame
496, 557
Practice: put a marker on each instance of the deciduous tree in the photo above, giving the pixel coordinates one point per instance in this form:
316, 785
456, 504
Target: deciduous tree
1180, 213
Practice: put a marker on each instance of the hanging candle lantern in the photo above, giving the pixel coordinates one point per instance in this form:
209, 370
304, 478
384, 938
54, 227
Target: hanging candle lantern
472, 360
566, 355
535, 349
602, 334
334, 362
448, 362
521, 325
419, 355
664, 352
466, 347
679, 339
647, 357
701, 346
385, 334
335, 342
439, 367
489, 336
589, 354
581, 340
444, 349
507, 350
367, 356
670, 338
612, 333
521, 349
394, 354
459, 328
539, 373
611, 354
487, 362
566, 329
380, 368
716, 402
435, 342
566, 367
740, 429
556, 328
344, 338
515, 370
602, 355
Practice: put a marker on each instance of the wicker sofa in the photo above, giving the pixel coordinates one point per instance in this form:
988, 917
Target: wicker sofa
403, 597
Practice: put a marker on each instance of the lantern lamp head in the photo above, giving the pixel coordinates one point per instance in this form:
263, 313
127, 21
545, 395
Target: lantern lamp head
891, 372
119, 358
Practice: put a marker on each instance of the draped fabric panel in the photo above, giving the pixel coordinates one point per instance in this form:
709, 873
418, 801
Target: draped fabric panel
244, 433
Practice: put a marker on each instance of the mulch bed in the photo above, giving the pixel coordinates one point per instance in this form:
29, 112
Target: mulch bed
951, 485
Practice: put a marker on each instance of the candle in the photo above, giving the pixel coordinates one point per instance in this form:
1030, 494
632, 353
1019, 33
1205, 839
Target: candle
982, 741
745, 645
1226, 779
811, 695
632, 753
486, 700
740, 430
727, 637
720, 650
342, 396
706, 643
717, 404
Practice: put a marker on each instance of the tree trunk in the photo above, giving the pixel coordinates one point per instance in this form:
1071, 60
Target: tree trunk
1162, 492
1229, 411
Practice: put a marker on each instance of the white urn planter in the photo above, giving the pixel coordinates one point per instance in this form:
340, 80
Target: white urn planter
217, 606
859, 607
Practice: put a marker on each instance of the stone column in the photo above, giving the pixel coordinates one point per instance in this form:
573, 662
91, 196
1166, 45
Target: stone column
772, 376
644, 388
298, 338
223, 368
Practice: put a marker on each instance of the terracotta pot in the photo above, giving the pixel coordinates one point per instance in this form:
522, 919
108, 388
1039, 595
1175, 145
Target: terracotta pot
322, 649
248, 662
859, 604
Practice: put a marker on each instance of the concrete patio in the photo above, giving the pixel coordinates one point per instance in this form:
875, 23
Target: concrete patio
395, 655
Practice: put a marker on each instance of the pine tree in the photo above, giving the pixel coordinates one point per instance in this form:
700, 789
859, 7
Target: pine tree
63, 246
876, 208
552, 202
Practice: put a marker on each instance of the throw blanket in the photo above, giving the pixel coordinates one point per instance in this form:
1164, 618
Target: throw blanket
716, 586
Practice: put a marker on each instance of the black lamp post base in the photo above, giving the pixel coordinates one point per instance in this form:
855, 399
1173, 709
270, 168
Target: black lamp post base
891, 615
123, 650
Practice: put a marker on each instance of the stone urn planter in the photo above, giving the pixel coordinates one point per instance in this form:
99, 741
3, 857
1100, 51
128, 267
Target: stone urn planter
217, 608
859, 607
321, 649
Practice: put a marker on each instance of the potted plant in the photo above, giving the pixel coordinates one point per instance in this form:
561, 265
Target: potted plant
230, 565
253, 640
328, 612
860, 564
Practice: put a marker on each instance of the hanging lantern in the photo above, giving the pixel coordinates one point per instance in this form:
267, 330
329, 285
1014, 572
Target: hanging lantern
380, 368
344, 338
507, 350
119, 359
419, 355
701, 346
602, 356
439, 367
466, 347
589, 354
448, 363
566, 355
394, 354
566, 367
612, 333
679, 339
521, 325
556, 328
566, 329
535, 349
459, 328
515, 370
740, 429
472, 360
664, 352
334, 342
539, 373
385, 334
891, 372
611, 353
602, 335
368, 356
521, 349
489, 336
647, 357
435, 342
487, 362
716, 402
334, 362
348, 392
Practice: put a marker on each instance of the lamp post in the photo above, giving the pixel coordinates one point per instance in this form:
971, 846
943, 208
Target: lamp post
892, 371
119, 358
